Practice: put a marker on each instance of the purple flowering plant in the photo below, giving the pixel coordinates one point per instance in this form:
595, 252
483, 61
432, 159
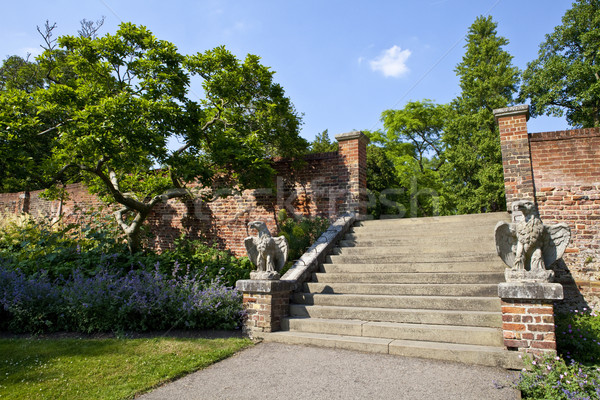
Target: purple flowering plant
575, 372
139, 300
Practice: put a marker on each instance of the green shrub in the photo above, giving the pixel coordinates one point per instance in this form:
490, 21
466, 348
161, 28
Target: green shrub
38, 246
578, 342
57, 249
553, 378
300, 233
578, 335
194, 255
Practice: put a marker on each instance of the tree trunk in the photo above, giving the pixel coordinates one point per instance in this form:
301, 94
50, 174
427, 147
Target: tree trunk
133, 230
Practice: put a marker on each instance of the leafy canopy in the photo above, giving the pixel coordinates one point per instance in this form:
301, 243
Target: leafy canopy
473, 175
110, 105
565, 78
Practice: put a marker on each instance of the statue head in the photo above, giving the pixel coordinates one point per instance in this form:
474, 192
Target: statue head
258, 225
527, 207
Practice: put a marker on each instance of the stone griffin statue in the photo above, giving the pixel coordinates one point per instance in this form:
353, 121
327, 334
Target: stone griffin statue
528, 247
268, 253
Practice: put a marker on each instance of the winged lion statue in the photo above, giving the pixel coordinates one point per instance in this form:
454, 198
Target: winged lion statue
529, 247
268, 253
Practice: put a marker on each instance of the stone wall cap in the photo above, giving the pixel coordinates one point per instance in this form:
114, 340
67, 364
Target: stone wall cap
530, 291
263, 286
509, 111
352, 135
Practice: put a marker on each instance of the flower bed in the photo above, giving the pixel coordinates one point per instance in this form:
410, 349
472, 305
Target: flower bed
107, 301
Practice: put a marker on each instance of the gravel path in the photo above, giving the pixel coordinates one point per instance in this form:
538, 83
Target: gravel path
277, 371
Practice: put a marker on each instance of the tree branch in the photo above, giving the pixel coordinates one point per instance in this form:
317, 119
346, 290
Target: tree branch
55, 127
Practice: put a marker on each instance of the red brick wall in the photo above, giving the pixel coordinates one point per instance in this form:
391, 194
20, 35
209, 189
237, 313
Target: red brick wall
518, 179
327, 185
561, 172
529, 326
566, 169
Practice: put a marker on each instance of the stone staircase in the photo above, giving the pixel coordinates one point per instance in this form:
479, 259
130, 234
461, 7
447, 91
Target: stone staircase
422, 287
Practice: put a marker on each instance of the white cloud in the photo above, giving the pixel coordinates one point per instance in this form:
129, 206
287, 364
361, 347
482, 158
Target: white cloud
391, 62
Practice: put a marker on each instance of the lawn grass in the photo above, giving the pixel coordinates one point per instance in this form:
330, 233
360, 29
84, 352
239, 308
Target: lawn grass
102, 368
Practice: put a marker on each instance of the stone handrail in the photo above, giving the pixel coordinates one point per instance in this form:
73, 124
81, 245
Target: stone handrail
302, 269
266, 302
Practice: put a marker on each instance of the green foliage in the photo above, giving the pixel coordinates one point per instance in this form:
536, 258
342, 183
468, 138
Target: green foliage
564, 79
419, 124
69, 368
33, 246
196, 256
578, 336
552, 378
576, 373
387, 196
472, 177
95, 243
300, 233
110, 104
412, 143
322, 143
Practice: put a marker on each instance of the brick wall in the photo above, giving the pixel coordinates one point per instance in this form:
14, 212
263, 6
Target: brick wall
327, 185
566, 170
560, 171
529, 325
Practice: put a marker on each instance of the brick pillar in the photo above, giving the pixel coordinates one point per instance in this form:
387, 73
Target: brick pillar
528, 316
353, 150
516, 157
266, 302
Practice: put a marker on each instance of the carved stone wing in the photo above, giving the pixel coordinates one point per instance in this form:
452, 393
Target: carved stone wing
506, 242
250, 243
556, 240
281, 252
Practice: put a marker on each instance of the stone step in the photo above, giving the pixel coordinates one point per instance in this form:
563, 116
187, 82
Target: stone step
490, 304
453, 242
438, 266
420, 249
468, 233
411, 258
425, 277
413, 316
469, 219
470, 354
476, 290
434, 333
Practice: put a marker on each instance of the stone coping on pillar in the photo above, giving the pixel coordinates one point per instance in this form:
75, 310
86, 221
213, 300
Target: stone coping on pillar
262, 286
530, 291
509, 111
352, 135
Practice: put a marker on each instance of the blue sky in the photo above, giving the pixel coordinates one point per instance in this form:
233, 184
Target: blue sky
341, 62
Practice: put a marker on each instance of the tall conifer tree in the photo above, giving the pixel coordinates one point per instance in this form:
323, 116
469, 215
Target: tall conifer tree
473, 172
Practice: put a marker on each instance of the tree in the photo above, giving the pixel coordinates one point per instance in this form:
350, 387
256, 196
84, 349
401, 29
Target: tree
565, 78
322, 143
24, 153
411, 140
115, 101
386, 194
472, 175
420, 124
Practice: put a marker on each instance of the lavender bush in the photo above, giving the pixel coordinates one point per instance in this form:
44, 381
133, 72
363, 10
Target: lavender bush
553, 378
575, 373
139, 300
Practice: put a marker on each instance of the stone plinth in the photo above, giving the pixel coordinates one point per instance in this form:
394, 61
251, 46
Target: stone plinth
266, 302
528, 316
